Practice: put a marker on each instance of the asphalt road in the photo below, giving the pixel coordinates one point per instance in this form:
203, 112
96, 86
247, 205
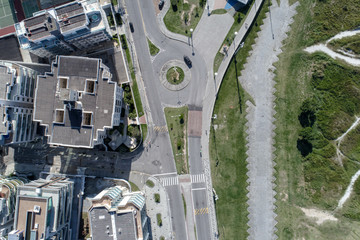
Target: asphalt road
145, 25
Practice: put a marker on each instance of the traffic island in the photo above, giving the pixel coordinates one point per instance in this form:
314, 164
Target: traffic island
175, 75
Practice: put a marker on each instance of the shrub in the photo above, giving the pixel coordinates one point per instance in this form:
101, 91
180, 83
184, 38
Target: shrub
157, 197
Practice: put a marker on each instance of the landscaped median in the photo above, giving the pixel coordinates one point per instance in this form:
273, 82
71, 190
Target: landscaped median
153, 49
176, 119
228, 145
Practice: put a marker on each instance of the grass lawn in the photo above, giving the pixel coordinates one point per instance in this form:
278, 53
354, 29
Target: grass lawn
184, 203
159, 220
176, 119
144, 131
228, 146
153, 49
175, 75
351, 44
134, 187
315, 103
238, 21
185, 16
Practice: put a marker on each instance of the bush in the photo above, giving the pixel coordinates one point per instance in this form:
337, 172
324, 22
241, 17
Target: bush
150, 183
118, 19
159, 220
123, 41
157, 197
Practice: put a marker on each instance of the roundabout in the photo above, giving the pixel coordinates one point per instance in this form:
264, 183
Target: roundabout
175, 75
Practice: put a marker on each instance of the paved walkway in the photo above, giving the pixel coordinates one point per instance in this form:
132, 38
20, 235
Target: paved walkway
257, 80
153, 208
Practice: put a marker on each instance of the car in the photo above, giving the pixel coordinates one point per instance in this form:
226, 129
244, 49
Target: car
188, 61
131, 27
161, 4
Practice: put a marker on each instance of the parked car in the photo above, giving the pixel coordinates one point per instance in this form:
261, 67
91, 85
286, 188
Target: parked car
188, 61
131, 27
161, 4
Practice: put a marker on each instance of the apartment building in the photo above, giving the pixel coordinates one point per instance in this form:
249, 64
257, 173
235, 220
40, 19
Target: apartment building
43, 210
77, 102
17, 86
117, 213
64, 29
8, 189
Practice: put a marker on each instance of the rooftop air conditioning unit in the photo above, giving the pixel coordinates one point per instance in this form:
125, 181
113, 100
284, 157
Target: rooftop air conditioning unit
37, 209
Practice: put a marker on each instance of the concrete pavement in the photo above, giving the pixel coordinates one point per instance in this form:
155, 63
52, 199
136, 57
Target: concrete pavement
257, 80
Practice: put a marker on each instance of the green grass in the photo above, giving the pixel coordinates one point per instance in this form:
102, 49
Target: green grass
351, 44
114, 2
316, 180
238, 22
153, 49
228, 146
144, 131
134, 187
350, 145
176, 119
184, 203
135, 87
176, 24
175, 75
157, 197
159, 220
150, 183
219, 11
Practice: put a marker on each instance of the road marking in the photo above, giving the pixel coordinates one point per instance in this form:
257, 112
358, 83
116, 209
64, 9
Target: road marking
198, 178
169, 181
161, 129
201, 211
194, 189
162, 174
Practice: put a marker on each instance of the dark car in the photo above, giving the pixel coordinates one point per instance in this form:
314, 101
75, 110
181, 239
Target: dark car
188, 61
161, 4
131, 27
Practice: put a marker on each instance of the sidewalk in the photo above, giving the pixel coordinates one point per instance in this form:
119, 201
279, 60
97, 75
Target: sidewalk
153, 208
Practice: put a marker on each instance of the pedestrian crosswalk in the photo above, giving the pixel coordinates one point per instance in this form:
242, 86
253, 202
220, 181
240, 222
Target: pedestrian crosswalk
160, 129
198, 178
169, 181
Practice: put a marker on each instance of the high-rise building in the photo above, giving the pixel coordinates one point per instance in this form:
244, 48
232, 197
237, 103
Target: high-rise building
83, 24
77, 102
117, 213
17, 85
41, 35
61, 30
8, 188
43, 210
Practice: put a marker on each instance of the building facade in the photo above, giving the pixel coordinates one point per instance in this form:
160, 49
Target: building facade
17, 86
117, 213
43, 210
77, 102
8, 189
64, 29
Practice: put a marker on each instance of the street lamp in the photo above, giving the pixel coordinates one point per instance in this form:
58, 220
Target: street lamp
235, 33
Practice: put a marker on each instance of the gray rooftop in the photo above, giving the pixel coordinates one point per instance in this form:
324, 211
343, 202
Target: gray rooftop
5, 79
74, 101
71, 16
40, 26
102, 226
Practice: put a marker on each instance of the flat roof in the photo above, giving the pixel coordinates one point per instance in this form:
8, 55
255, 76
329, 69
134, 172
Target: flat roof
102, 224
76, 73
5, 79
40, 26
71, 16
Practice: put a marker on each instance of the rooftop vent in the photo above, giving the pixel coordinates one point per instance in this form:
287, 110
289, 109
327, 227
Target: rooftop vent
37, 209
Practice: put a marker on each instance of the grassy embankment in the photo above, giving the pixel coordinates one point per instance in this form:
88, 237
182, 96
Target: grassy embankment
176, 119
183, 16
239, 18
228, 146
317, 99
